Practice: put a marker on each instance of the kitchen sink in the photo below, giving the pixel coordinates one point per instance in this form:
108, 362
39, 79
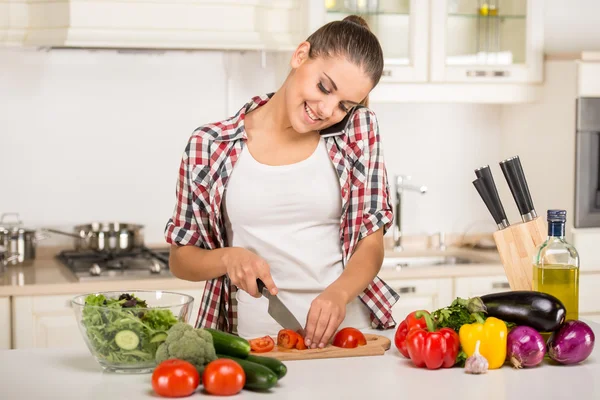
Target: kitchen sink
424, 261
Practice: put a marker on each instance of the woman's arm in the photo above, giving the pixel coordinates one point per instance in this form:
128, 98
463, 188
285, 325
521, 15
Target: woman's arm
328, 310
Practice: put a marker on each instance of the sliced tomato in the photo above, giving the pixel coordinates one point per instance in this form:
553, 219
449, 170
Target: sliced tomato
349, 338
300, 345
262, 344
287, 339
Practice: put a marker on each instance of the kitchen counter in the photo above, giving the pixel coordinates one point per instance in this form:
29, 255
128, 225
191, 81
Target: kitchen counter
48, 276
74, 374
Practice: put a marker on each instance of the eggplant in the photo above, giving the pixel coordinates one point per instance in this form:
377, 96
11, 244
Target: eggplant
540, 311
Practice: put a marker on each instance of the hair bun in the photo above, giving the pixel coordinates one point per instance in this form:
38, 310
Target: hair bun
358, 20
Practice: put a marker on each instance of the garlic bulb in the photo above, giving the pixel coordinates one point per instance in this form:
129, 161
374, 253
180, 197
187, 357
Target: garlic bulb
476, 364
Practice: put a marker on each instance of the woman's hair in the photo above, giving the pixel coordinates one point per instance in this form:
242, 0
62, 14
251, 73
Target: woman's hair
350, 38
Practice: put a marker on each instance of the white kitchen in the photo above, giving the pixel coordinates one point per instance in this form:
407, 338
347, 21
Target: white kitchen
98, 100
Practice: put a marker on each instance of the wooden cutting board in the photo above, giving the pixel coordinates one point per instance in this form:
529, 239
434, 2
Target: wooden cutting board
376, 346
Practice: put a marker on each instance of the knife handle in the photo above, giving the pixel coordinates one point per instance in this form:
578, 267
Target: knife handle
260, 285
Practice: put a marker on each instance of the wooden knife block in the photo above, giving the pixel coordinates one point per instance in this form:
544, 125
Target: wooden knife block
516, 245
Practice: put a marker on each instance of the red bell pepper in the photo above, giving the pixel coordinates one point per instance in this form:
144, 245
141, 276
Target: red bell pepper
409, 323
430, 348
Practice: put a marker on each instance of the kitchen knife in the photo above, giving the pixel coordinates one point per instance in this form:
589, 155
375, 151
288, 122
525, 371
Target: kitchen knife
513, 173
485, 174
279, 311
491, 205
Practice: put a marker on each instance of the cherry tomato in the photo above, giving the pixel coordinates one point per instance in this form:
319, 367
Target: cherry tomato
349, 338
287, 339
262, 345
175, 378
223, 377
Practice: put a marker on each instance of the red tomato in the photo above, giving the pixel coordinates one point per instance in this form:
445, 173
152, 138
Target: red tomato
300, 345
287, 339
262, 345
223, 377
175, 378
349, 338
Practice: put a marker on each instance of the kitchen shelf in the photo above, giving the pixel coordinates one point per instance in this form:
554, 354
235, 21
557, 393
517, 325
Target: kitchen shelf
470, 16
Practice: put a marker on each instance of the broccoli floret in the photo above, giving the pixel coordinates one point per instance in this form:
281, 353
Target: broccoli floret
189, 344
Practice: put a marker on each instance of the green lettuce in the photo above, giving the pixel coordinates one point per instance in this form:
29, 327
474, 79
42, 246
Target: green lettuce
104, 317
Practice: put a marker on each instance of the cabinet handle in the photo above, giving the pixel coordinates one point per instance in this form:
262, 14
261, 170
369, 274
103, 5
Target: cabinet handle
500, 285
407, 289
480, 73
386, 72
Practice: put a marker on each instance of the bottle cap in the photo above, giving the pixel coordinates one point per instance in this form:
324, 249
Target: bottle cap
557, 216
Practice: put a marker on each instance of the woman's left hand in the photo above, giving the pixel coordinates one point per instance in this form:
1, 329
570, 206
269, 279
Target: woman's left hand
327, 311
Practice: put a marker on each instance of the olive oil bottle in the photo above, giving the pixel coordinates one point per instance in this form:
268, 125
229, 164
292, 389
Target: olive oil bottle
556, 265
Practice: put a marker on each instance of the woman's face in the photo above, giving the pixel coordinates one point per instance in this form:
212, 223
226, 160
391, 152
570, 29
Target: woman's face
321, 91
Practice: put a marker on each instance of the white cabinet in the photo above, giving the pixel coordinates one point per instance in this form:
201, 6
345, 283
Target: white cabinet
466, 287
420, 294
49, 321
162, 24
491, 41
5, 333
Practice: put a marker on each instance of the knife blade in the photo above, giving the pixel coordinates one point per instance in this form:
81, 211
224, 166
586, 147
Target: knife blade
279, 311
515, 178
487, 190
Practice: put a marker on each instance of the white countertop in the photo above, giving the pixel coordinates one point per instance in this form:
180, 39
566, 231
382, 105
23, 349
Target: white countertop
74, 374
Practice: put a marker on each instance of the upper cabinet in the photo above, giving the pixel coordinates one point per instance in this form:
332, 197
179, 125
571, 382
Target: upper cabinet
452, 40
487, 40
402, 27
154, 24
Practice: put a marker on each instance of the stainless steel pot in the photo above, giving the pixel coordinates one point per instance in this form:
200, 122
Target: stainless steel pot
17, 240
113, 237
5, 258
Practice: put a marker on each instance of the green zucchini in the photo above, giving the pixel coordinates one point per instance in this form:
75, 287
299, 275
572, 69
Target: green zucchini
258, 377
229, 344
272, 363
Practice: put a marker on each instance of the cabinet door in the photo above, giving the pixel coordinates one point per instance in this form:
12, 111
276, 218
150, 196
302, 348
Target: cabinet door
49, 321
487, 41
478, 286
400, 25
5, 331
420, 294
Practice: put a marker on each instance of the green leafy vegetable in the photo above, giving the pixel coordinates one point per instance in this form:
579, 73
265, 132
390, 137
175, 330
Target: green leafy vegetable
104, 318
459, 313
194, 345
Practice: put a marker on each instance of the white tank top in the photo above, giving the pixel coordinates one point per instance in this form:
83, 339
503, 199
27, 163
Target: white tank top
290, 216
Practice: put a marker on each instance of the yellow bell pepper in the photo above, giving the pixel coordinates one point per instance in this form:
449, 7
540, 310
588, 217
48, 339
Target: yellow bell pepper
492, 335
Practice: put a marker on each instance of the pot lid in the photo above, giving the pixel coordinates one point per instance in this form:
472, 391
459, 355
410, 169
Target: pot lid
13, 226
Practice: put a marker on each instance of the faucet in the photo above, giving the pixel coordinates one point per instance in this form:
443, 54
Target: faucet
401, 186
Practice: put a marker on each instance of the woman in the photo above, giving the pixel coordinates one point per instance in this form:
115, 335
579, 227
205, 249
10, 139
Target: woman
292, 190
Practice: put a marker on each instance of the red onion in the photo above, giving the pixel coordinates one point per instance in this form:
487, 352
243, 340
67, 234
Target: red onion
525, 347
572, 343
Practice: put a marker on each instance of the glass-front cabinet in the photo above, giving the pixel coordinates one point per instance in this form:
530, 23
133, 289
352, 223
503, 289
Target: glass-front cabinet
486, 40
402, 28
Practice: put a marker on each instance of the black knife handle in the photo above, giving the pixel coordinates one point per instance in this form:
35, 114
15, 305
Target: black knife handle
489, 203
515, 178
260, 285
485, 175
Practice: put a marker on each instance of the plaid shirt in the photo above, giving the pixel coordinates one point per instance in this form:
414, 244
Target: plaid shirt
208, 161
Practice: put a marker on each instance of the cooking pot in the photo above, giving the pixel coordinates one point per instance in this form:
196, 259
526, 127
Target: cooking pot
5, 258
17, 240
114, 237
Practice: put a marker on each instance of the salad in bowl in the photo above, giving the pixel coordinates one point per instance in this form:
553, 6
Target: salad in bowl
124, 329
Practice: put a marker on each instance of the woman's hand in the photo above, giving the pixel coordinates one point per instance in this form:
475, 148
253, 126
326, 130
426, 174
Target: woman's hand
244, 267
327, 311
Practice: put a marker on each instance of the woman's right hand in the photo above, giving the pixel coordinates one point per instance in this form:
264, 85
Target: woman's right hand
244, 267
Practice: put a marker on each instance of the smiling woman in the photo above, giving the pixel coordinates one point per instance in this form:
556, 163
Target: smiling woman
293, 190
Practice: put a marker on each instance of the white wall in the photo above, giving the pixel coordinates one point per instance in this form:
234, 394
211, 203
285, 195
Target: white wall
98, 136
571, 26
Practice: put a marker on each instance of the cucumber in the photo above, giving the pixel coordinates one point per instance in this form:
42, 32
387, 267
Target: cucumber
228, 344
127, 340
542, 312
159, 337
258, 377
272, 363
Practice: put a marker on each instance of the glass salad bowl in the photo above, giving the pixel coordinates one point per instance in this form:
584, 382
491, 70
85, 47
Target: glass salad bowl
124, 329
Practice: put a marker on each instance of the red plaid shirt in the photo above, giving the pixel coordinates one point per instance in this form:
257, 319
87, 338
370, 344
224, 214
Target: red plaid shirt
210, 156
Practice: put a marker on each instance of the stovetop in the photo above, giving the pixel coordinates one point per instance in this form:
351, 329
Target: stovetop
139, 263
